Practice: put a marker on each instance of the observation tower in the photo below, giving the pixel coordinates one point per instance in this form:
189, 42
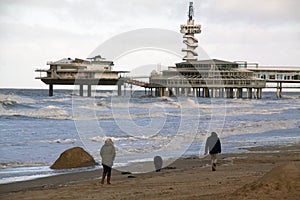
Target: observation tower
189, 30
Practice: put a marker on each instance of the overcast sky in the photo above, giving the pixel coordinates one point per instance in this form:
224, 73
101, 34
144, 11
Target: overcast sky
33, 32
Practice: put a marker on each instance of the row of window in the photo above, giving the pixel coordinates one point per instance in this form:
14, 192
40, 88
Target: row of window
207, 82
278, 77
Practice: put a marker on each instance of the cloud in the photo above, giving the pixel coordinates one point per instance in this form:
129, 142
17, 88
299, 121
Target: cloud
267, 12
33, 31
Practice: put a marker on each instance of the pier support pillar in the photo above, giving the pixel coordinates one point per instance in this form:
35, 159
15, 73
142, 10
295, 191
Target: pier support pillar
81, 90
89, 91
119, 90
186, 92
279, 90
255, 93
240, 93
230, 93
222, 93
50, 90
259, 93
235, 93
182, 92
156, 92
249, 93
225, 95
175, 92
213, 93
195, 92
164, 91
205, 92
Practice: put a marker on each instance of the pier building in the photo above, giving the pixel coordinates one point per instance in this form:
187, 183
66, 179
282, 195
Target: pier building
278, 77
85, 73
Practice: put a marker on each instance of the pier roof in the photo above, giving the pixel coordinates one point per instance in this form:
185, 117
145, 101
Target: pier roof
209, 61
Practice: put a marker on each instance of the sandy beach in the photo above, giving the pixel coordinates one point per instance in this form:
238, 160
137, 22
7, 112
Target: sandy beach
260, 173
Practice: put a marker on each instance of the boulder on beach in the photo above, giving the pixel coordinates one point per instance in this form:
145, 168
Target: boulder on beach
73, 158
282, 182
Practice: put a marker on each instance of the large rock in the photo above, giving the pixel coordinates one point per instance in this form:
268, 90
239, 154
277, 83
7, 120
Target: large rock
73, 158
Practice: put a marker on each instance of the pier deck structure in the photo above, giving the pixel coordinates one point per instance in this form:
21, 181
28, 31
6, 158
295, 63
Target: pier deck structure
277, 76
204, 78
239, 83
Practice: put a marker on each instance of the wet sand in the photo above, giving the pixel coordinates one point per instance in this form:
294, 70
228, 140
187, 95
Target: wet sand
261, 173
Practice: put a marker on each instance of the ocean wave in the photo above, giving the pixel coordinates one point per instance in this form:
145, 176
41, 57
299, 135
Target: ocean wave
102, 139
8, 102
255, 127
58, 100
11, 104
20, 164
48, 112
15, 99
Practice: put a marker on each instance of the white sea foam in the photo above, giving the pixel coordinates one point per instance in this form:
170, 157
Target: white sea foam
66, 99
102, 139
62, 141
18, 164
8, 102
16, 98
48, 112
254, 127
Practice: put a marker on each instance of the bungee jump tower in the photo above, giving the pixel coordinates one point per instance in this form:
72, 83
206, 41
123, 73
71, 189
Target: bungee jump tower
189, 30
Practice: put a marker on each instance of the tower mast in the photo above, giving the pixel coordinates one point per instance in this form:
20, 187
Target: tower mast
188, 30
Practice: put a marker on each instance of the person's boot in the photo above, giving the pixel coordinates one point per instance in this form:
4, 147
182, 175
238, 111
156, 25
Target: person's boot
213, 167
108, 179
103, 177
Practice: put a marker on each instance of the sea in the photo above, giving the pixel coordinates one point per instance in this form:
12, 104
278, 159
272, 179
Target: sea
35, 128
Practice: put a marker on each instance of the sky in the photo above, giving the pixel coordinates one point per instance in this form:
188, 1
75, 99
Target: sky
33, 32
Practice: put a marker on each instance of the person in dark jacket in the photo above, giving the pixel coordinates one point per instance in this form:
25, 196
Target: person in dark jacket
213, 147
108, 154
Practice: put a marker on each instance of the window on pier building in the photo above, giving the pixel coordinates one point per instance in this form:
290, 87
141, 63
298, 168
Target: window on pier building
226, 66
272, 77
263, 76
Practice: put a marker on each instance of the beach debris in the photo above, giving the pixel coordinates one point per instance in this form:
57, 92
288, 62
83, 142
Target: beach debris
124, 173
74, 158
158, 163
168, 167
131, 176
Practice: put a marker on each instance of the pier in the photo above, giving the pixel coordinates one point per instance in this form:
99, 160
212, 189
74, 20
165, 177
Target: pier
212, 78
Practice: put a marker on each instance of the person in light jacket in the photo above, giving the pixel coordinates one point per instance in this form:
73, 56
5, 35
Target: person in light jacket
108, 154
213, 146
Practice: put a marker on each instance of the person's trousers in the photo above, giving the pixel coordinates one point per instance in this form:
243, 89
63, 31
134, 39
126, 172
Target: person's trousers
213, 158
